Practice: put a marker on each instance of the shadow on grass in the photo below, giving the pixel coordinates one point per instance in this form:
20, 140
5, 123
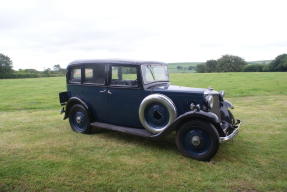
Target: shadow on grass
164, 143
238, 150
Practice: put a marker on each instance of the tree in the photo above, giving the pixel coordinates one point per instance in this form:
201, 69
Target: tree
254, 68
230, 63
57, 68
200, 68
279, 63
5, 65
211, 66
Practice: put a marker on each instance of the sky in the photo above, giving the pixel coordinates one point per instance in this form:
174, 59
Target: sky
40, 33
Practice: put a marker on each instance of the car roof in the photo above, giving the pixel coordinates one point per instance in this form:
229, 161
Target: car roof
112, 61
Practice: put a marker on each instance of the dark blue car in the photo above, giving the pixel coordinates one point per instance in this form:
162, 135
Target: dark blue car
137, 98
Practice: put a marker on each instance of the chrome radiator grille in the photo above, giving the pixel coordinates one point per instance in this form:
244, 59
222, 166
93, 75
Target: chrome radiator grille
216, 106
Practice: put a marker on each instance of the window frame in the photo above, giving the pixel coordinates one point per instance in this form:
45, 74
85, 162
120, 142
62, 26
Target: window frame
70, 75
138, 72
92, 66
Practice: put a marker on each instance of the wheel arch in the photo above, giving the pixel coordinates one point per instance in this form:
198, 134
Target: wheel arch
195, 115
72, 101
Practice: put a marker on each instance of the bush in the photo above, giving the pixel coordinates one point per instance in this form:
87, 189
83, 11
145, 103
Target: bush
279, 63
230, 63
201, 68
254, 68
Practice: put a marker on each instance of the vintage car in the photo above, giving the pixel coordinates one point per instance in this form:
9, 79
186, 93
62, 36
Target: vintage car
137, 98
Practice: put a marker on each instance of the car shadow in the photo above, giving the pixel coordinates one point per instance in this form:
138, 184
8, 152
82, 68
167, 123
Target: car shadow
164, 143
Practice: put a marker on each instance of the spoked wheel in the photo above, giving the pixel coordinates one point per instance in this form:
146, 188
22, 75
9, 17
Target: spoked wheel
79, 119
198, 140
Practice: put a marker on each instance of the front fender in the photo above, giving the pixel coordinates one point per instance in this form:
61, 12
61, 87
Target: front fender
71, 102
206, 116
227, 104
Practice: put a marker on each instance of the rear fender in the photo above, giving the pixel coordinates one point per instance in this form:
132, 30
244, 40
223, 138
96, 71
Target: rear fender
72, 101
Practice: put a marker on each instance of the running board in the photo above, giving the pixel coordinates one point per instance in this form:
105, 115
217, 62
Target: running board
127, 130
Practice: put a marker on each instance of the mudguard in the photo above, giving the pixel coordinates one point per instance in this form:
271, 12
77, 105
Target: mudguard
227, 104
226, 115
206, 116
72, 101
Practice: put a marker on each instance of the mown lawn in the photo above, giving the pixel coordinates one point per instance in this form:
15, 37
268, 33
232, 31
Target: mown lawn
39, 152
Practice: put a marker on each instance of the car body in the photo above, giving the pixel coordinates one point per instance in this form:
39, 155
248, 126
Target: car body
136, 97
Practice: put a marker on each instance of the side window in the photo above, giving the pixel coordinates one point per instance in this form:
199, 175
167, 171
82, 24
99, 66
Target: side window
124, 76
75, 75
95, 74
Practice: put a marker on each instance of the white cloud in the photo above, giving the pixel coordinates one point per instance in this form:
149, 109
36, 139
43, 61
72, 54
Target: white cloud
40, 34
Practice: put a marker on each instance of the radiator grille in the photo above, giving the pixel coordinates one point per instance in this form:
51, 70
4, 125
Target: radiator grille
216, 105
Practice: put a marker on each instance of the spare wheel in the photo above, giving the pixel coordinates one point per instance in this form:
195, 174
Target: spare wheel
157, 112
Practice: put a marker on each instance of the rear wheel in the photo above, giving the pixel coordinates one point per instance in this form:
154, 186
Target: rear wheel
79, 119
198, 140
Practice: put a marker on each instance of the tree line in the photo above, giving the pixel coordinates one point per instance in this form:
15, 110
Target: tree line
231, 63
6, 70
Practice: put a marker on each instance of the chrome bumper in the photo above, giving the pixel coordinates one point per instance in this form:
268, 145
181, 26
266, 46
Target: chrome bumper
233, 134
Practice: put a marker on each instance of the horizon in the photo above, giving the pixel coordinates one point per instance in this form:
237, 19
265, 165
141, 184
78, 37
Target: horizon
37, 34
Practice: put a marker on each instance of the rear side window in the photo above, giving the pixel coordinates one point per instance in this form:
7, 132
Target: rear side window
75, 76
95, 74
124, 76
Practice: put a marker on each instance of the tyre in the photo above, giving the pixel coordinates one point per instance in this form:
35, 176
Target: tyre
79, 119
198, 140
156, 113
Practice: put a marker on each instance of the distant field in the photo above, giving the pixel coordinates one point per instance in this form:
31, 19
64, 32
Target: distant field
39, 152
260, 62
173, 67
42, 93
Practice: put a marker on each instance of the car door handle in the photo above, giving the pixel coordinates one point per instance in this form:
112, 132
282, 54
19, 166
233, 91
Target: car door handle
109, 92
102, 91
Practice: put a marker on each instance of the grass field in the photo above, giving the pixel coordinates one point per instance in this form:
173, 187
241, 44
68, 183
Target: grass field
39, 152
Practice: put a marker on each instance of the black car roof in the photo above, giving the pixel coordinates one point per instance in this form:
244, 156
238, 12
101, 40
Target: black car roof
111, 61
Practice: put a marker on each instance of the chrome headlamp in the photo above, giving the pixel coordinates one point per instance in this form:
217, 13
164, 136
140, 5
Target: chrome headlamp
209, 101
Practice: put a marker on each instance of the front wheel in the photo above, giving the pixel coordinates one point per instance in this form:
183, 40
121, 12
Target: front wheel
79, 119
198, 140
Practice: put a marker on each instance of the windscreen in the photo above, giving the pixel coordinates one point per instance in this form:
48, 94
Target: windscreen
154, 73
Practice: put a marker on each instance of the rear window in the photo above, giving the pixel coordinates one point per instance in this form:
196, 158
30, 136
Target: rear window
75, 76
95, 74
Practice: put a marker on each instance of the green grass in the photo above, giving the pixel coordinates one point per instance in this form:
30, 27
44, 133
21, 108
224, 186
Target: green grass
42, 93
39, 152
236, 84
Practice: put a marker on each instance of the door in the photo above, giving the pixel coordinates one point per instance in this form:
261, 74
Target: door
124, 95
95, 90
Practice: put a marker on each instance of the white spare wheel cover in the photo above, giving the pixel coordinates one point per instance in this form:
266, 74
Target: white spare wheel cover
157, 99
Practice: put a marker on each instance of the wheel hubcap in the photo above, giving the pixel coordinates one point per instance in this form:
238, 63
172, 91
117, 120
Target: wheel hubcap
78, 119
195, 140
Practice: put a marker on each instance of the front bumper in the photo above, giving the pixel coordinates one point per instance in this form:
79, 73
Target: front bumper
231, 135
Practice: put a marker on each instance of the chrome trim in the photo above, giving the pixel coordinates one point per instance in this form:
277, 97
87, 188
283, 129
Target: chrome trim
210, 92
102, 91
233, 134
165, 101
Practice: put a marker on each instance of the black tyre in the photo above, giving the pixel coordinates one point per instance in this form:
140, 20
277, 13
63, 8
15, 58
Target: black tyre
79, 119
198, 140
